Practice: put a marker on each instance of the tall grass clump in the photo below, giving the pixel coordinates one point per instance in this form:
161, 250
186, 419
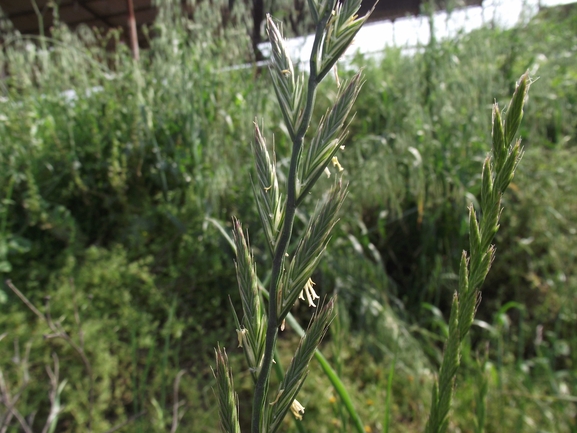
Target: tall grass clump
404, 225
292, 267
414, 168
112, 171
108, 168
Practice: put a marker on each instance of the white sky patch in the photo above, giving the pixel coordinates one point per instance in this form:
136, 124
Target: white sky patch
411, 32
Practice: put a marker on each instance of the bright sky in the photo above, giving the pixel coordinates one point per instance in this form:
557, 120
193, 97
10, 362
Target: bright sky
408, 32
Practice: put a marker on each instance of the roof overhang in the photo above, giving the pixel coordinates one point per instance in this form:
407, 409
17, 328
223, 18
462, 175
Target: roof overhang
37, 16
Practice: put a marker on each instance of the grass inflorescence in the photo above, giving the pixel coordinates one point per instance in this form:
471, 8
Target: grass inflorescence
115, 173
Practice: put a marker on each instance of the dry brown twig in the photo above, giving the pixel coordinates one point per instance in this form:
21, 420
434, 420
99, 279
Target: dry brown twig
59, 332
177, 404
10, 401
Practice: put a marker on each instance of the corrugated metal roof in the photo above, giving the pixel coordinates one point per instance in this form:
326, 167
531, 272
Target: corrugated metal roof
26, 15
104, 14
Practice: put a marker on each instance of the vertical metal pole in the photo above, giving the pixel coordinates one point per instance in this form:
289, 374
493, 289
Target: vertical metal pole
132, 30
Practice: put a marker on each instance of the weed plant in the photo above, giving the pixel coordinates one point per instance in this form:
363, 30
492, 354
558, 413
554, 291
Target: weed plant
410, 231
105, 192
108, 169
292, 267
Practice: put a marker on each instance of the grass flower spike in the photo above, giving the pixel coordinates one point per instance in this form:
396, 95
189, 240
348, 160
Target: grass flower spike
227, 398
336, 25
290, 89
310, 293
498, 170
297, 409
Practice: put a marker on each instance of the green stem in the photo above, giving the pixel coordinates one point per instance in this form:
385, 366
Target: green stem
388, 400
272, 326
261, 386
333, 377
326, 367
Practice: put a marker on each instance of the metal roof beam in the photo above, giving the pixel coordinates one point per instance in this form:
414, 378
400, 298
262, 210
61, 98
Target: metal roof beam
85, 6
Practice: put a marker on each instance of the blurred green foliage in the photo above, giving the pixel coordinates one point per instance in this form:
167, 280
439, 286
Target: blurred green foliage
108, 168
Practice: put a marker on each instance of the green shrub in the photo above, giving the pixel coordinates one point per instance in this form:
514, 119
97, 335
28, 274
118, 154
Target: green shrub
105, 194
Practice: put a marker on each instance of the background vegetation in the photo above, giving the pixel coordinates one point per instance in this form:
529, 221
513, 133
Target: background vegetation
109, 170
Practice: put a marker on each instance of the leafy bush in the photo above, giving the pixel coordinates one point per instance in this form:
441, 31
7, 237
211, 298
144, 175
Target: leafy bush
108, 168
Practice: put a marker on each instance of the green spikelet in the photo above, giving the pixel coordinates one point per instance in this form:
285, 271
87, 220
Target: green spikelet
498, 171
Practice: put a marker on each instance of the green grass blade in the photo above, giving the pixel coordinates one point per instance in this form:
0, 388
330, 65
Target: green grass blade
324, 363
333, 377
280, 376
388, 401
